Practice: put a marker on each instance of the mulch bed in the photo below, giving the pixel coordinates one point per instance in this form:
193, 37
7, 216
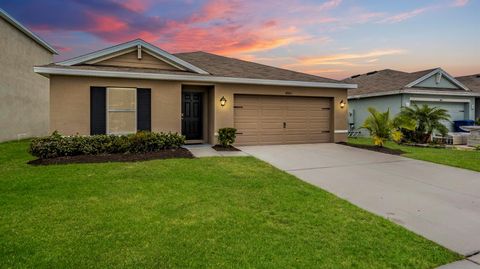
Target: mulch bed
164, 154
377, 149
221, 148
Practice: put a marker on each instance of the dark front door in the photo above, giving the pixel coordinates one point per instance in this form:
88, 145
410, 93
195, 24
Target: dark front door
192, 115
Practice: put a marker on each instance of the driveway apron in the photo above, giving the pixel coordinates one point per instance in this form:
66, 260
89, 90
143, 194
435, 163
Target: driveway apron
439, 202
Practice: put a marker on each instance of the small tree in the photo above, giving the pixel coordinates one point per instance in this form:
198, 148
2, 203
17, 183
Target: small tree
427, 120
227, 136
379, 125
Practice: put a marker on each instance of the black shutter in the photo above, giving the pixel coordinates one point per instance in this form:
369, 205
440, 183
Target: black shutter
98, 110
144, 110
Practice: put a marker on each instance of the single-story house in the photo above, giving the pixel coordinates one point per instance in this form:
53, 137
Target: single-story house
473, 83
138, 86
24, 96
392, 89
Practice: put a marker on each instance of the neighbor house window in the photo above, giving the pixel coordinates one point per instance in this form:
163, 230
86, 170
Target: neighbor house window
121, 110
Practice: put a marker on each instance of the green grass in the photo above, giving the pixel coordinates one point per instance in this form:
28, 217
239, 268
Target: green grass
453, 157
182, 213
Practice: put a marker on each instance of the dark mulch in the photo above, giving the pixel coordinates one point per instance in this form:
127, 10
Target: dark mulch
377, 149
136, 157
222, 148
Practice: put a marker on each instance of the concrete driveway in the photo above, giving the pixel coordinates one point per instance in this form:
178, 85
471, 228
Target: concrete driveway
441, 203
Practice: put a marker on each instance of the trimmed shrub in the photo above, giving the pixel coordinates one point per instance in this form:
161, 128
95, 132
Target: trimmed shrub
227, 136
57, 145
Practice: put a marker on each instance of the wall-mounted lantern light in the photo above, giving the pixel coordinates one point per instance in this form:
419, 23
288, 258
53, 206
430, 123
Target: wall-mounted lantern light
342, 104
223, 101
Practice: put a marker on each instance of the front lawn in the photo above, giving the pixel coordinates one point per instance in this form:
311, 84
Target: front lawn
183, 213
457, 158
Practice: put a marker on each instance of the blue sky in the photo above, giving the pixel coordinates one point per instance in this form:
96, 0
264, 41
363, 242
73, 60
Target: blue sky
332, 38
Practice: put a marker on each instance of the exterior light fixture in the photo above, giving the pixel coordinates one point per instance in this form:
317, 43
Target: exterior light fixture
223, 101
342, 104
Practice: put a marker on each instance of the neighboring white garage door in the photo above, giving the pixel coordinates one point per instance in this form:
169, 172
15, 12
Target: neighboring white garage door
262, 120
456, 110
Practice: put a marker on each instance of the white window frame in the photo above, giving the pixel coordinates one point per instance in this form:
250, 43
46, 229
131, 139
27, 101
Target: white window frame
120, 110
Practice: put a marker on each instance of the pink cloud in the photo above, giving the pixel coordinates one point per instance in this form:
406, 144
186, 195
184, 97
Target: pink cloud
216, 10
406, 15
102, 23
413, 13
135, 5
460, 3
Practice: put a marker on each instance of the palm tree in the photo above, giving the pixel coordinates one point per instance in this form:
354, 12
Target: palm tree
379, 125
428, 120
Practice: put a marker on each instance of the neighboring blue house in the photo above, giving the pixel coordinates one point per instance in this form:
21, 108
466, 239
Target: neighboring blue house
473, 83
391, 89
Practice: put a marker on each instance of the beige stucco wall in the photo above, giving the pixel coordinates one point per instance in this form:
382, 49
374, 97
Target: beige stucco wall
23, 94
224, 115
70, 102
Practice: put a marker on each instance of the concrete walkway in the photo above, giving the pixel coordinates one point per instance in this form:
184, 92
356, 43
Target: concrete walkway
439, 202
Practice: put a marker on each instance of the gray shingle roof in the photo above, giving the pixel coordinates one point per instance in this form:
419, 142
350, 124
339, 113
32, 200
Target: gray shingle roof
230, 67
472, 82
215, 65
383, 81
388, 80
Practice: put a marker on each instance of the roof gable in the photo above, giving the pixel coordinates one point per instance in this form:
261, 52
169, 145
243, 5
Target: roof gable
129, 47
386, 82
438, 78
137, 58
26, 31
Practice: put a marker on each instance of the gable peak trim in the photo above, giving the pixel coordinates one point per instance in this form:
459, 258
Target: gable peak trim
117, 49
439, 72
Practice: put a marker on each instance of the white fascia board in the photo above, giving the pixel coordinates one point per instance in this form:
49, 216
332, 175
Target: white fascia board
26, 31
128, 45
412, 91
443, 100
434, 92
443, 73
189, 78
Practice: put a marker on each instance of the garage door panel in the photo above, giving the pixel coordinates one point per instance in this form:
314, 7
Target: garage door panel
248, 113
271, 139
307, 119
246, 125
303, 126
266, 126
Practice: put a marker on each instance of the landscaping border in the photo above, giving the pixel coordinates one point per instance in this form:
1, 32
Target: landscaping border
118, 157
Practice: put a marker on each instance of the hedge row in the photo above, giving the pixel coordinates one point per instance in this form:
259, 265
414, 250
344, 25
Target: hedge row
57, 145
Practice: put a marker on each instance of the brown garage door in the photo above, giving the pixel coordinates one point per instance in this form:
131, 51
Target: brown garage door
262, 120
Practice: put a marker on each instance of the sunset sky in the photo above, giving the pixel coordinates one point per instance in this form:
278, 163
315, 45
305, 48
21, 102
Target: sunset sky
333, 38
